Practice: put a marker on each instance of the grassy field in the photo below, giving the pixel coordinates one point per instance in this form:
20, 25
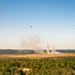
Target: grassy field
23, 65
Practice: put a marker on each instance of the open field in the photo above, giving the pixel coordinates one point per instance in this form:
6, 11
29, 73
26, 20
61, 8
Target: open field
36, 55
37, 64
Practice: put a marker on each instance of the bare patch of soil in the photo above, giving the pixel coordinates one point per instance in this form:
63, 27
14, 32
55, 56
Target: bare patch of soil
36, 55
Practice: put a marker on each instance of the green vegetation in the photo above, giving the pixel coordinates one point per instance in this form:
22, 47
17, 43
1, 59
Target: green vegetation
13, 51
28, 51
44, 66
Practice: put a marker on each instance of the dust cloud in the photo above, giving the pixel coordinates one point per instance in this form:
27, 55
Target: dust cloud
31, 42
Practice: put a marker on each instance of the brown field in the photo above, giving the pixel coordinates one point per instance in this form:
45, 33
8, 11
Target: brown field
36, 55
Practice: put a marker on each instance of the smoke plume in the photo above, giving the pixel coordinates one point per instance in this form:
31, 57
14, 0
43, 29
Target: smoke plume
31, 42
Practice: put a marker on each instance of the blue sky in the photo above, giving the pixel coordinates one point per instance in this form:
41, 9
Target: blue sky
52, 20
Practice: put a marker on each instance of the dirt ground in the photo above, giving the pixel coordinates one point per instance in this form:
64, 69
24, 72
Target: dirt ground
36, 55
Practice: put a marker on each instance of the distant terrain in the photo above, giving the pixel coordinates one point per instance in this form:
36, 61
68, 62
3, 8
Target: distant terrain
14, 51
34, 54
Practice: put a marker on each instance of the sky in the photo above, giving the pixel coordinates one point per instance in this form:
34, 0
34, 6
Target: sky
52, 20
